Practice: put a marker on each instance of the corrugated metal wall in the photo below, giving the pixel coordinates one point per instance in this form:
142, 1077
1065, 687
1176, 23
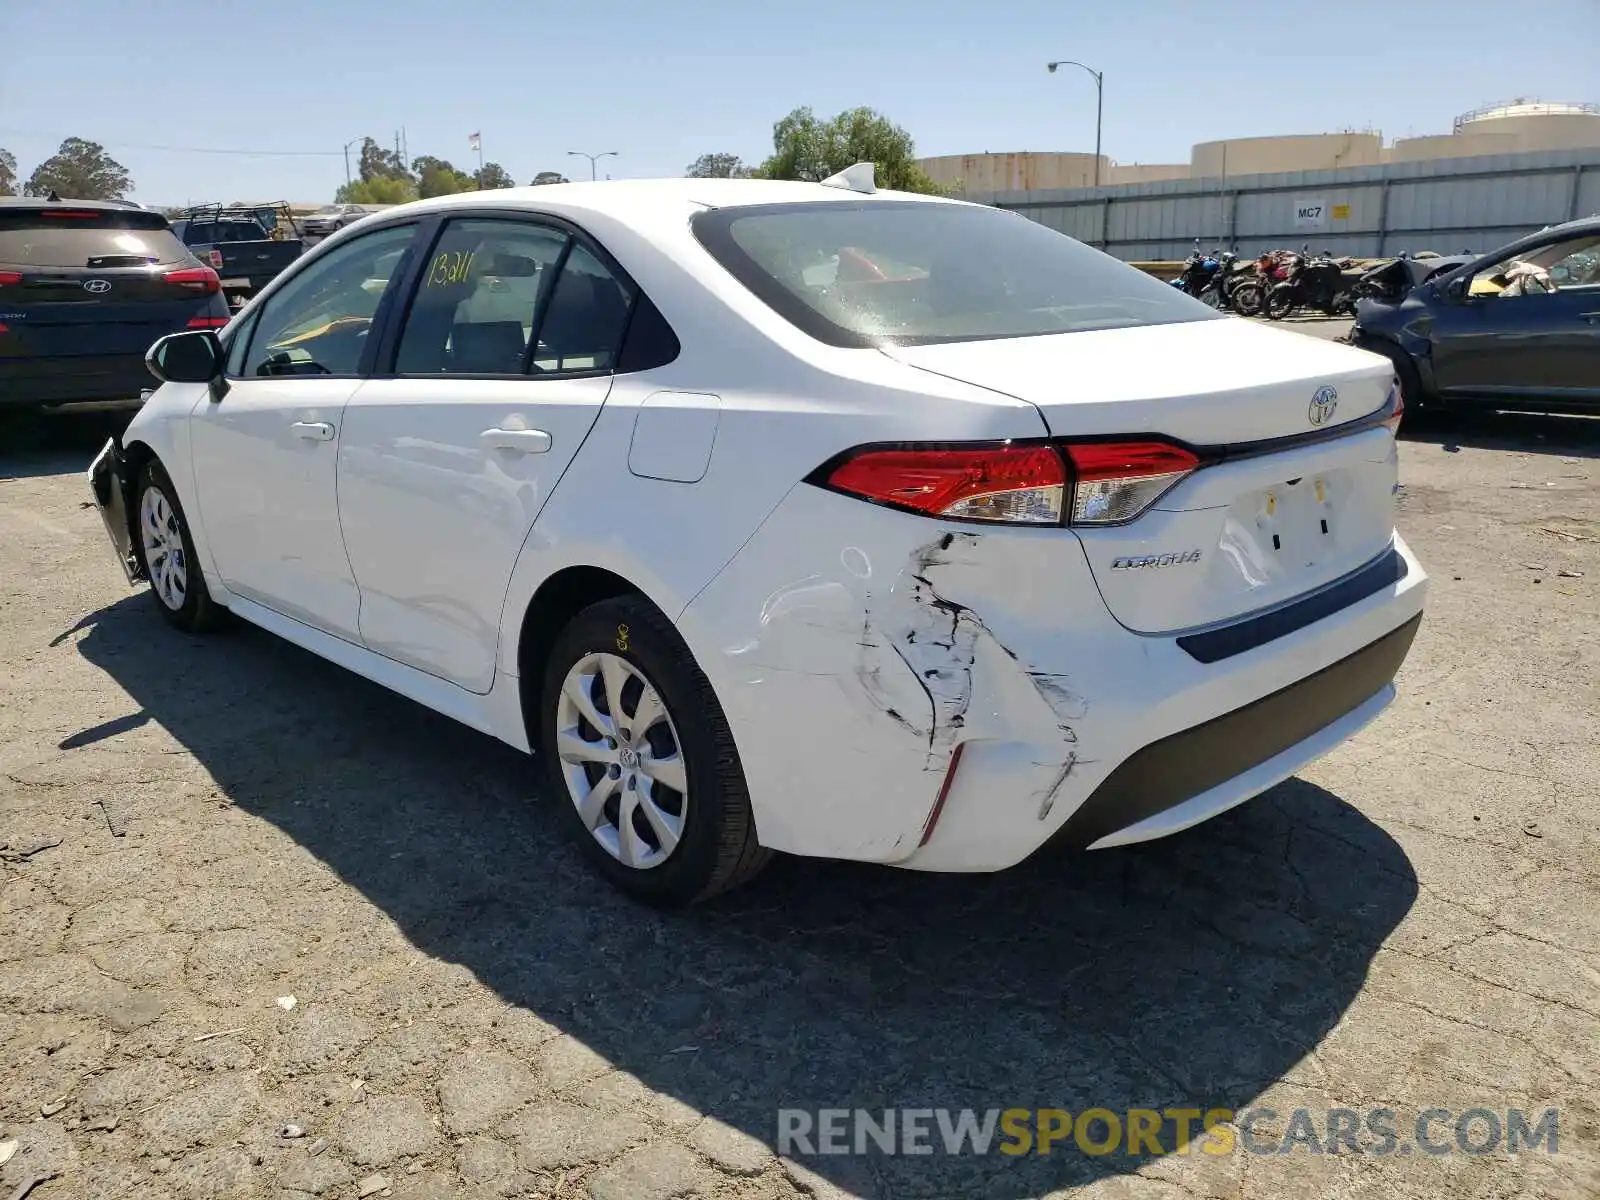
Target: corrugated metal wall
1447, 205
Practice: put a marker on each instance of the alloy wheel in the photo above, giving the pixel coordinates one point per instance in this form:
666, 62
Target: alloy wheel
163, 548
621, 759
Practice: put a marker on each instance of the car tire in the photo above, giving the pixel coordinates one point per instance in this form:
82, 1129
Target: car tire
166, 551
613, 783
1406, 371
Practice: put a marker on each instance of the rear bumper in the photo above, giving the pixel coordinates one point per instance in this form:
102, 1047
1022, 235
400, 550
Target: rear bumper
1183, 767
81, 378
112, 493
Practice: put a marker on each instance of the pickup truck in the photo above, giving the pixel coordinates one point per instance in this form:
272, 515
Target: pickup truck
247, 247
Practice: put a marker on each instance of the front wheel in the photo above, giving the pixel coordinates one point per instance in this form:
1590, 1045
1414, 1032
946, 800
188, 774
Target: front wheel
166, 548
639, 758
1247, 299
1212, 297
1280, 303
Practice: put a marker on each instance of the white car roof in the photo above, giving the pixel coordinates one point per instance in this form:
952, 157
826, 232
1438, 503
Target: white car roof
642, 201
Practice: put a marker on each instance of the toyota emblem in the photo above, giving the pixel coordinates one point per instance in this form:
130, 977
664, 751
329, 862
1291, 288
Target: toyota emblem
97, 287
1322, 405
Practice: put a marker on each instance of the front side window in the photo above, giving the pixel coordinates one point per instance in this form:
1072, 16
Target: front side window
318, 322
501, 297
911, 273
1572, 264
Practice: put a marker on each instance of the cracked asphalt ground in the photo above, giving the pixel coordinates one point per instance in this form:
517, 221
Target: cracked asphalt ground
194, 828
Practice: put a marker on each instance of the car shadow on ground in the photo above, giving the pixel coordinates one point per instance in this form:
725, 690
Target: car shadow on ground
1528, 433
38, 444
1191, 972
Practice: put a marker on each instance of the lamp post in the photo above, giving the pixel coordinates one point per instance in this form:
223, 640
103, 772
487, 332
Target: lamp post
347, 146
1099, 103
593, 158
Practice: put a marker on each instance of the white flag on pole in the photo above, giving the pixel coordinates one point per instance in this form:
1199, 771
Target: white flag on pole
474, 141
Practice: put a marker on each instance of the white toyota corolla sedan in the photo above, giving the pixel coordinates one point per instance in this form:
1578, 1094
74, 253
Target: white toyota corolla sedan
790, 517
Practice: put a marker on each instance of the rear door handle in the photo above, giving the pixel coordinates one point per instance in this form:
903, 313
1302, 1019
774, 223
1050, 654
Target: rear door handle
312, 431
522, 441
1590, 317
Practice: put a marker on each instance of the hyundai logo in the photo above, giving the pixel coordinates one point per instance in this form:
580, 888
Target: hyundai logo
97, 287
1322, 405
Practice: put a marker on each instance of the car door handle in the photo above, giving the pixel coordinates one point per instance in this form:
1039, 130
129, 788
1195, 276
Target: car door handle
312, 431
1590, 317
522, 441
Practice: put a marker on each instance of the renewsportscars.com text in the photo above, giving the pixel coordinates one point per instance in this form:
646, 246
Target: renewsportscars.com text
1148, 1131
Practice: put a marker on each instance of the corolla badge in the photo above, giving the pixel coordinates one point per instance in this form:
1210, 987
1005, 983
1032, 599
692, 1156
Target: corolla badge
1322, 405
97, 286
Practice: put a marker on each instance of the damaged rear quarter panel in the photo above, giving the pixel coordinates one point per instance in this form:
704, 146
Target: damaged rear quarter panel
864, 660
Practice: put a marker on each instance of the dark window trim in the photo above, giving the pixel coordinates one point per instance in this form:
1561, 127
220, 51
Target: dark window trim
713, 229
387, 351
380, 315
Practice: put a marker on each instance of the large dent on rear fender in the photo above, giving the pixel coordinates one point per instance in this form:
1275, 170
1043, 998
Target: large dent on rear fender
952, 653
924, 664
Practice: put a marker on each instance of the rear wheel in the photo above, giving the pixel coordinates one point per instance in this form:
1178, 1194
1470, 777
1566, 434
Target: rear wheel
640, 760
1406, 371
166, 548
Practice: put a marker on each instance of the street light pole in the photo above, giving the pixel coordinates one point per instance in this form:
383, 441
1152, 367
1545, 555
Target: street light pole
593, 159
1099, 103
347, 146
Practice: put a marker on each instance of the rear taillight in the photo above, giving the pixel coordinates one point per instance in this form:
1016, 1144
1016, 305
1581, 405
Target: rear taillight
1073, 483
207, 322
994, 482
1397, 398
9, 277
214, 257
1114, 482
199, 279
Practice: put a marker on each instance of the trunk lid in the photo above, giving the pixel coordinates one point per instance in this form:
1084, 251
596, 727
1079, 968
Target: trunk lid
1261, 523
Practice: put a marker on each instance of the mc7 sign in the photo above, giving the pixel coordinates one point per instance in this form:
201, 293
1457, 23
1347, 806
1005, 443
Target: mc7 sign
1310, 214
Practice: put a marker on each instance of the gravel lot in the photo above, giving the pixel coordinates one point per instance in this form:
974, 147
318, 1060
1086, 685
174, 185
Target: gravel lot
194, 828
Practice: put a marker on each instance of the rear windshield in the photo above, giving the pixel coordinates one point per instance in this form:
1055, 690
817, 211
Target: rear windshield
211, 233
914, 273
69, 237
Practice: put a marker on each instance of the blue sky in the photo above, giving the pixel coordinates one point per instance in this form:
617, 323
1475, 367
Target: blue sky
662, 83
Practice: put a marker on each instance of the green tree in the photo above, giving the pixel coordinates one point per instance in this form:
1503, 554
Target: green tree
436, 177
717, 166
806, 147
80, 170
379, 163
544, 177
491, 176
383, 190
8, 173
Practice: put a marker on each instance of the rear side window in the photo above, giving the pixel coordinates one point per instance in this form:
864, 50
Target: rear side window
68, 237
913, 273
498, 297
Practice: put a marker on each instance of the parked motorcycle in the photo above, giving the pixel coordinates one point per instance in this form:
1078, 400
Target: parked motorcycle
1198, 271
1219, 290
1250, 295
1315, 283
